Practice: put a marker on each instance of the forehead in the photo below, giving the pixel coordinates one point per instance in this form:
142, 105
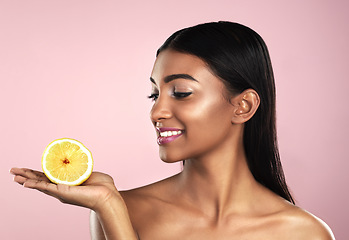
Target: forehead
171, 62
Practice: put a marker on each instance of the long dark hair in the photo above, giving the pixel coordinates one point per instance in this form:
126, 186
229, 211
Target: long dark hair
240, 58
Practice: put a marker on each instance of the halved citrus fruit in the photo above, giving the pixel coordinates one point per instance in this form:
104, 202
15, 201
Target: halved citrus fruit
67, 161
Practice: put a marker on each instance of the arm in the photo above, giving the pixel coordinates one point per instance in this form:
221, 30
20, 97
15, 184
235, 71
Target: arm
111, 222
98, 193
96, 229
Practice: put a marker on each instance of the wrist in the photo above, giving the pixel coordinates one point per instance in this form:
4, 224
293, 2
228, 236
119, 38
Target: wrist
114, 219
109, 203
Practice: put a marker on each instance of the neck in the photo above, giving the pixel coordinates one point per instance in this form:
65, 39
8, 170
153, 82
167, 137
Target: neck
219, 183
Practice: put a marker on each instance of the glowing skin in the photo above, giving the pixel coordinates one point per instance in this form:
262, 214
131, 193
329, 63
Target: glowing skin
215, 196
191, 101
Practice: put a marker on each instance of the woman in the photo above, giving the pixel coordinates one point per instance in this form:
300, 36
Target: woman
214, 109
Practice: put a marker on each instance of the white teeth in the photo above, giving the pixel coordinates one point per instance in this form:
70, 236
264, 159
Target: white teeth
170, 133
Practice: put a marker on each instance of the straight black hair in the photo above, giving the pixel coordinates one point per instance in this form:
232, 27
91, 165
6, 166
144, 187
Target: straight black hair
239, 57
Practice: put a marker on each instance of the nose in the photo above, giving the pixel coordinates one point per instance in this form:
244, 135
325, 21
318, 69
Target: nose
161, 110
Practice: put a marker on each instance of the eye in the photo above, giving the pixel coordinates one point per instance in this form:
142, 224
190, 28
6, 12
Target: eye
181, 94
154, 96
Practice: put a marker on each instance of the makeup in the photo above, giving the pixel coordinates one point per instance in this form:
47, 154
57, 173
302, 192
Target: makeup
167, 135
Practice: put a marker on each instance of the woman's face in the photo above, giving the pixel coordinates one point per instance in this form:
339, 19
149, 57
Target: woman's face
191, 116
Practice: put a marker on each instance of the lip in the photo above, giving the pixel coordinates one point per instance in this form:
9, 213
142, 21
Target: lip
164, 140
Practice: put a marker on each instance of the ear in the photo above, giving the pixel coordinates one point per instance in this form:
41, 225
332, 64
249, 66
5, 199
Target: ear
245, 105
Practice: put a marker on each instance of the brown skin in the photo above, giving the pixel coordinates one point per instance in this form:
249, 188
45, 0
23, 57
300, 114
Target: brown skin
215, 196
98, 193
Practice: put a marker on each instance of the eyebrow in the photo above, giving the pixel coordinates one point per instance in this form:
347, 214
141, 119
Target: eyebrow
172, 77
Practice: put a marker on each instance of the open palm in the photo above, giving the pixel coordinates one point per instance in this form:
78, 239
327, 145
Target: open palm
91, 194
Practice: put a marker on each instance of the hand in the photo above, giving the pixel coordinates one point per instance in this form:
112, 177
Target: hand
92, 194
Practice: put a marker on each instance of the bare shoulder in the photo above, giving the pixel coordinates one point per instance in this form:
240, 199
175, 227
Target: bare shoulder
300, 224
149, 200
151, 192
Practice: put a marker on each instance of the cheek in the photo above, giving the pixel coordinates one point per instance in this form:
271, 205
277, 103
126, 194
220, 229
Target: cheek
208, 121
207, 113
206, 127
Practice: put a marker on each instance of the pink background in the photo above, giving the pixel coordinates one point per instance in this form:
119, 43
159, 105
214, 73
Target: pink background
80, 69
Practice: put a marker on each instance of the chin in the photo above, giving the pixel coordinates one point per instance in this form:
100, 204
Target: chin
170, 158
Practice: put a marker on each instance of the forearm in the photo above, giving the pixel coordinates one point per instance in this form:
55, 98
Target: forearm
112, 222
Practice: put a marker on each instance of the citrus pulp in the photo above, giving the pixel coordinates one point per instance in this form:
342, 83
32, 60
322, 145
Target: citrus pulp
67, 161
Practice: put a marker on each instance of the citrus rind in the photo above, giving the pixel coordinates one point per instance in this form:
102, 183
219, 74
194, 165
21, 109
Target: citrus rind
56, 180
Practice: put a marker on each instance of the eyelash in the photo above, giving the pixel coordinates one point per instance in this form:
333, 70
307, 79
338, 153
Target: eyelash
155, 96
181, 94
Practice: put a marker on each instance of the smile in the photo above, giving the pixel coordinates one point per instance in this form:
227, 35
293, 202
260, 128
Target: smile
170, 133
167, 135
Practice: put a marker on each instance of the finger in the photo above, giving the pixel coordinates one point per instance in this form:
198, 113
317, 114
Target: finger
14, 170
35, 184
29, 173
60, 191
40, 185
19, 179
32, 174
22, 180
